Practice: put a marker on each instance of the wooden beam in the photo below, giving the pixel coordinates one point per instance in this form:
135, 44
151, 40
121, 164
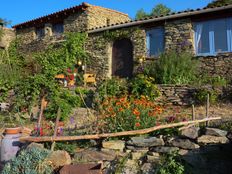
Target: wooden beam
107, 135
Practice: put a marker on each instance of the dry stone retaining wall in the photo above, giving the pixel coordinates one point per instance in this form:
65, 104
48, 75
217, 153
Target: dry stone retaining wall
142, 154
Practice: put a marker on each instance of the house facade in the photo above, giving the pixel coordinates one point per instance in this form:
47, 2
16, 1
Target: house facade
116, 44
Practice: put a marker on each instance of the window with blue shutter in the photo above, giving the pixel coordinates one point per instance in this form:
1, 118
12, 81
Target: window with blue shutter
214, 36
57, 29
155, 41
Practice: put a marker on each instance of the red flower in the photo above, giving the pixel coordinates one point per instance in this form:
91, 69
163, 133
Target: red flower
137, 124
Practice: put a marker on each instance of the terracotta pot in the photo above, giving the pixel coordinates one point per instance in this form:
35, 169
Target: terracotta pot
15, 130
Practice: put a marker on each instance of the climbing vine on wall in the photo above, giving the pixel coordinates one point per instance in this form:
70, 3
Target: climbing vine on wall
119, 34
39, 79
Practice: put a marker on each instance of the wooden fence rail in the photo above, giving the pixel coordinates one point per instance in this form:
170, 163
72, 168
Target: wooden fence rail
107, 135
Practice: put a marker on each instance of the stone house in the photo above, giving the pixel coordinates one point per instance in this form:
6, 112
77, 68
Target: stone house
6, 36
115, 43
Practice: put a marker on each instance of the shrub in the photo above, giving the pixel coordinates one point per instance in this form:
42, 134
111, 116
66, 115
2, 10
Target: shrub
66, 101
29, 161
126, 113
201, 96
144, 86
112, 87
215, 81
174, 68
171, 163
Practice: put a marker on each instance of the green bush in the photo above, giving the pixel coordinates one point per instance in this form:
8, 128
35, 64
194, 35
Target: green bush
201, 96
174, 68
142, 85
171, 164
29, 161
215, 81
66, 101
112, 87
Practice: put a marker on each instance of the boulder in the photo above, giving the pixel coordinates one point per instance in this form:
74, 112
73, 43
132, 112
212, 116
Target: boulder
153, 159
114, 145
146, 141
58, 159
130, 167
148, 168
137, 155
184, 144
164, 149
215, 132
94, 156
35, 145
208, 139
192, 132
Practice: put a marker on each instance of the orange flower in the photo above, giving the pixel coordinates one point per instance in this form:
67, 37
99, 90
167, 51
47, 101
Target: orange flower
110, 109
118, 103
120, 109
136, 112
137, 124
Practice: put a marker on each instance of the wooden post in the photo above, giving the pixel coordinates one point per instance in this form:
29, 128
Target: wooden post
40, 115
56, 127
193, 113
207, 109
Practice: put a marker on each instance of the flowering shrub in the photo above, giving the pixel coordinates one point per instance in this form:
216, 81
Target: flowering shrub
127, 113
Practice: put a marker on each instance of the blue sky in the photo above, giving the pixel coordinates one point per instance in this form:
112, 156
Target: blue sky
19, 11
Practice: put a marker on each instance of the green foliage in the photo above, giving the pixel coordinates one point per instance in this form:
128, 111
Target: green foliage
66, 101
216, 3
174, 68
215, 81
140, 14
33, 76
118, 34
69, 147
201, 96
114, 87
171, 164
158, 10
142, 85
29, 161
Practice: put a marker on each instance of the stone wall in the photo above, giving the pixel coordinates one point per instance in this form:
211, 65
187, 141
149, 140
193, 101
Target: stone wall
220, 65
7, 36
202, 149
184, 95
179, 35
99, 16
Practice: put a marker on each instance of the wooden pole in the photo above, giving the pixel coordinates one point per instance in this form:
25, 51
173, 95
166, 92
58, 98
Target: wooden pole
40, 114
193, 113
107, 135
56, 127
207, 109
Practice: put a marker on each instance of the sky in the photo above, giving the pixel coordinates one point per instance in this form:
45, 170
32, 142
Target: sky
18, 11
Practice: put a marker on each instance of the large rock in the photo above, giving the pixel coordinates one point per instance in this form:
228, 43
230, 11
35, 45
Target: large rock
148, 168
208, 139
215, 132
58, 159
192, 132
114, 145
184, 144
146, 141
94, 156
164, 149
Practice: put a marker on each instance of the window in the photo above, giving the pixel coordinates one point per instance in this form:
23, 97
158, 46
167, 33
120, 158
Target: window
40, 32
155, 41
212, 37
57, 29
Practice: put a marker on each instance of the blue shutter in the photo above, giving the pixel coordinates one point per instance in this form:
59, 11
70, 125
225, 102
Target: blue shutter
229, 34
148, 43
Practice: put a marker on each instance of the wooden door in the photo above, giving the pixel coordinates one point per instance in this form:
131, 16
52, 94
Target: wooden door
122, 58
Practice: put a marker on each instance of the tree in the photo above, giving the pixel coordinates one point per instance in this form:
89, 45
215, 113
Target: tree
216, 3
158, 10
141, 14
